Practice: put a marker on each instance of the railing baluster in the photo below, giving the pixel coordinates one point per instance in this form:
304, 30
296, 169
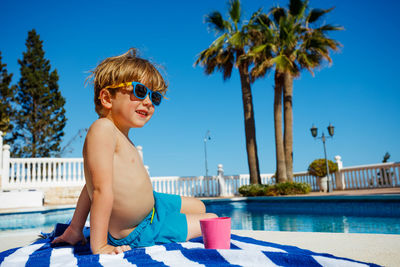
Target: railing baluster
195, 187
23, 177
365, 177
377, 178
18, 174
184, 187
361, 178
59, 180
192, 191
64, 169
39, 177
348, 180
351, 185
73, 172
51, 178
34, 176
368, 177
69, 173
28, 173
353, 181
354, 175
359, 181
385, 177
46, 165
390, 174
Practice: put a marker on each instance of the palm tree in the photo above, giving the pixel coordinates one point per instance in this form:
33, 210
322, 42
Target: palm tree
227, 51
292, 40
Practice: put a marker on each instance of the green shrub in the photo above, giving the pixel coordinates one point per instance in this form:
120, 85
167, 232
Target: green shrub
287, 188
318, 167
254, 190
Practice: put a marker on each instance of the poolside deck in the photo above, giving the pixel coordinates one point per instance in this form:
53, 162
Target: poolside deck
381, 249
360, 192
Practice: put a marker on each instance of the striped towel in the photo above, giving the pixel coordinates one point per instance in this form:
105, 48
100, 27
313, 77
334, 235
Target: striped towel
244, 251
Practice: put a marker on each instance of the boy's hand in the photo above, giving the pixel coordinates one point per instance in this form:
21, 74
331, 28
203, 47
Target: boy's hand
108, 249
70, 236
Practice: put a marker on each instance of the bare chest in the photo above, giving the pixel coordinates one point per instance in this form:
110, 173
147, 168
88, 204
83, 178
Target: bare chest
128, 168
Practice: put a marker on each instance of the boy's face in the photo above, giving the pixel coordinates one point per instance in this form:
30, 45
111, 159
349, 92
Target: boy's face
129, 111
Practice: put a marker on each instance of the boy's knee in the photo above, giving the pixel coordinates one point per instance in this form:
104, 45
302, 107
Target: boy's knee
192, 205
199, 206
211, 215
202, 207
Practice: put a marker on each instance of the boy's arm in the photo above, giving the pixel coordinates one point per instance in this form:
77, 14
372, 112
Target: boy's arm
73, 234
82, 210
99, 156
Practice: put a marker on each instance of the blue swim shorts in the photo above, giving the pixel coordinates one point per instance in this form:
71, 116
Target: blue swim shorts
168, 224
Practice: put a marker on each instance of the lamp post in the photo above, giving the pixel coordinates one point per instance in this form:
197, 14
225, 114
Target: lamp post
314, 133
206, 138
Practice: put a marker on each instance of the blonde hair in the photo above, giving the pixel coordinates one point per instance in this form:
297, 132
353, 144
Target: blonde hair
125, 68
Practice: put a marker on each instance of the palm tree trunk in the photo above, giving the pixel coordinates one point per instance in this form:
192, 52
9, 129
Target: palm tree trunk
280, 175
249, 125
288, 121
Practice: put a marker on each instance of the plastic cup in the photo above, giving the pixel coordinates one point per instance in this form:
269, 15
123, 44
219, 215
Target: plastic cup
216, 232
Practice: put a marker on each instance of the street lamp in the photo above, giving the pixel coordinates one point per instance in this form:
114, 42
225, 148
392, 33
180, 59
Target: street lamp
331, 131
206, 138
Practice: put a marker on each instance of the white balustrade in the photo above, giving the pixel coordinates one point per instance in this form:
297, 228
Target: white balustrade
187, 186
58, 172
371, 176
31, 173
305, 177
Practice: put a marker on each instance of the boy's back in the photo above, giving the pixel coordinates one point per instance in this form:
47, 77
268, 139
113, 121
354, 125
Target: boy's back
131, 185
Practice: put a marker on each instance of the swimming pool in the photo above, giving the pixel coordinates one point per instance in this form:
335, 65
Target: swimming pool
351, 214
334, 214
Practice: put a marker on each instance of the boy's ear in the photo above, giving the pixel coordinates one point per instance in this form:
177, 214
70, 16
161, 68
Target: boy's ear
105, 98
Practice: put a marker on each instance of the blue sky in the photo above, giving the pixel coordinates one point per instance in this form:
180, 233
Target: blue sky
358, 93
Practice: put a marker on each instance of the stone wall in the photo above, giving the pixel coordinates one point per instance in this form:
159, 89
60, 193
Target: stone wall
61, 195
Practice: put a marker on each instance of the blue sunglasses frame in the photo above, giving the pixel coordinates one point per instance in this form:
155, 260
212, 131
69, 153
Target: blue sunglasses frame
148, 92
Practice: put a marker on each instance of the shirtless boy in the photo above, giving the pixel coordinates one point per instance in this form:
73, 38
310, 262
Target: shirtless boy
124, 210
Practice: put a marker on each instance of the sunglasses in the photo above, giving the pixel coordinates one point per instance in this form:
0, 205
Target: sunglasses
141, 91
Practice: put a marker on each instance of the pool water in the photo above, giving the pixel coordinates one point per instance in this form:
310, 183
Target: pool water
43, 220
337, 214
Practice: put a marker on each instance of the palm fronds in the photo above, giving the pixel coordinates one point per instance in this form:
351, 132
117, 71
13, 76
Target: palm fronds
287, 37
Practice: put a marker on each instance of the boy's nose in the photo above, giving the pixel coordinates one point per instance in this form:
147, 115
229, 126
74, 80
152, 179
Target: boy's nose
147, 100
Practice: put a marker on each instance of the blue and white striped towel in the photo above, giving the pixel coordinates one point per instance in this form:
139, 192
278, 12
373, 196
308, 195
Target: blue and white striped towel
244, 251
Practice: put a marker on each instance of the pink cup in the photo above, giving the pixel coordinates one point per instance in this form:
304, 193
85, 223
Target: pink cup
216, 232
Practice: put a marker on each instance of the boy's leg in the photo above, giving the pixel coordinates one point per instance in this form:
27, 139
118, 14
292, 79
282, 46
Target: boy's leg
191, 205
193, 223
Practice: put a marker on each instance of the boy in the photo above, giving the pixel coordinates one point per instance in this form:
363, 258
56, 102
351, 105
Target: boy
124, 210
